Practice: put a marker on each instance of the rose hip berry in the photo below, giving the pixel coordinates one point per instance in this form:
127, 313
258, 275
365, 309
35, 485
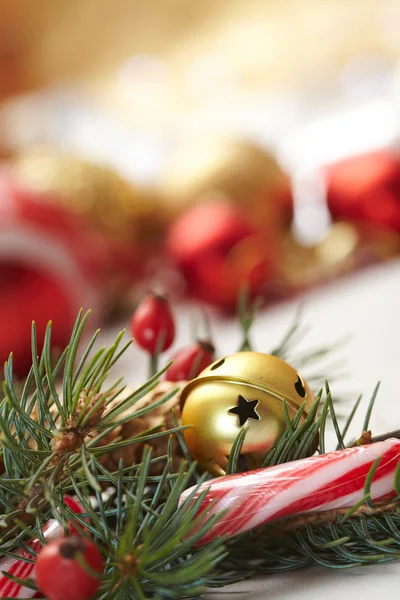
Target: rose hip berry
190, 361
152, 325
69, 569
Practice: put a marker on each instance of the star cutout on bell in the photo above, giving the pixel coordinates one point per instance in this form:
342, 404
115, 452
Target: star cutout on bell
245, 409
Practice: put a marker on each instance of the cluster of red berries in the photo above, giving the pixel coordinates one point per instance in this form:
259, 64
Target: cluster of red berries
153, 328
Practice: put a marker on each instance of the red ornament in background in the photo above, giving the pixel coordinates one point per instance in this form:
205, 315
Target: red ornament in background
191, 361
218, 249
366, 188
60, 574
153, 324
49, 266
131, 221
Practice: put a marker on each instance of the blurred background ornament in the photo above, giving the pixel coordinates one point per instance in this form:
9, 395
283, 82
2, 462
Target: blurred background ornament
131, 221
239, 169
218, 248
50, 267
365, 188
344, 248
245, 390
111, 204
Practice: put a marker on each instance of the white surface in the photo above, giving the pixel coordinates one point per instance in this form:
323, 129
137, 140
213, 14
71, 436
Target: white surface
365, 305
368, 583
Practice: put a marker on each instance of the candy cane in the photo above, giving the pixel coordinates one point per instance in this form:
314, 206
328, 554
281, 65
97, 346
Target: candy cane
18, 567
329, 481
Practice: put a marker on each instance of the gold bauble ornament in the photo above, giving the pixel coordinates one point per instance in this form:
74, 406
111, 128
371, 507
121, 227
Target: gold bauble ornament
337, 248
344, 248
112, 205
241, 170
246, 389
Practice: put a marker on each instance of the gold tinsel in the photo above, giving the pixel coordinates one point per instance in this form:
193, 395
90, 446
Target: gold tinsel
112, 205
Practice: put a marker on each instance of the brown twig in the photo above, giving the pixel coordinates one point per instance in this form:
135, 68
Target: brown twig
330, 516
367, 438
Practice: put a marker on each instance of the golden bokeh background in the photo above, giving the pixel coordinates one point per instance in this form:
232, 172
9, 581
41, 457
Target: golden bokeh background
274, 44
149, 120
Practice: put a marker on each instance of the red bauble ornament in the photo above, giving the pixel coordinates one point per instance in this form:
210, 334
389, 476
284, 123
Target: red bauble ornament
218, 250
49, 267
153, 325
366, 188
59, 574
189, 362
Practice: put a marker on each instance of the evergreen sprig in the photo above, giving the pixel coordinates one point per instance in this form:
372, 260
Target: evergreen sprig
52, 443
46, 435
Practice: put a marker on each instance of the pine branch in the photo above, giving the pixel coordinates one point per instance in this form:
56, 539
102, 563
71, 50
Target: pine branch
146, 538
141, 530
53, 444
42, 432
332, 516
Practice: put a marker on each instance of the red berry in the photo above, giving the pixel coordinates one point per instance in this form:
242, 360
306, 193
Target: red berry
153, 325
61, 576
190, 361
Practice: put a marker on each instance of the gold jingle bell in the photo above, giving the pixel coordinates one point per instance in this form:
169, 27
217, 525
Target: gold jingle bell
246, 389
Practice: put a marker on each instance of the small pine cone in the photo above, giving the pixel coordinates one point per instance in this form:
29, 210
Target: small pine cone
66, 442
161, 416
86, 406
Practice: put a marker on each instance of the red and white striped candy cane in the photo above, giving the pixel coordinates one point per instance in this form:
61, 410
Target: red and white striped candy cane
18, 567
329, 481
